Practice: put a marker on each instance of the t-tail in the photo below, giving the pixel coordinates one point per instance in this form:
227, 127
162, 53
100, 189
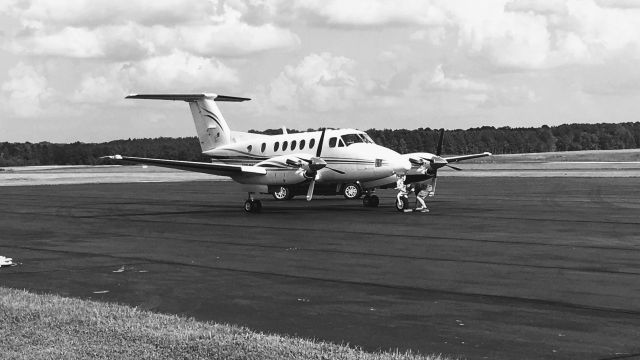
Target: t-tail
211, 127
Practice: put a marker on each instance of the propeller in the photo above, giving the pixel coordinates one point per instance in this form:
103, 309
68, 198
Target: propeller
437, 161
435, 169
309, 167
312, 184
432, 165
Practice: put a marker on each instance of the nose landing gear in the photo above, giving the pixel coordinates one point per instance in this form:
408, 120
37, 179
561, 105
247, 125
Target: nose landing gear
252, 205
402, 202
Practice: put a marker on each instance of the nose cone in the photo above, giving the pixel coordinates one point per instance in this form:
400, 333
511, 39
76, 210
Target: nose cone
401, 165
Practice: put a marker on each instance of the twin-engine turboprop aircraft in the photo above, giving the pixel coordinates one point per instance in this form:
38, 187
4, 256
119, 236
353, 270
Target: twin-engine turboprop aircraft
343, 161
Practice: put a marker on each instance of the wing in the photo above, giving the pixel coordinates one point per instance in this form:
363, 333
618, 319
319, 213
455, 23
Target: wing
466, 157
202, 167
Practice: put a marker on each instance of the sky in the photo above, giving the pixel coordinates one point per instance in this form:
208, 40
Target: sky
66, 66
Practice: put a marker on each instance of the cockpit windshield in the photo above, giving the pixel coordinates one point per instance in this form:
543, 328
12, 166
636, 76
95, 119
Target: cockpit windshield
367, 138
356, 138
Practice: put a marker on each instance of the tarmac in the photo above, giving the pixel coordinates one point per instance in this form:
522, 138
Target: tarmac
501, 268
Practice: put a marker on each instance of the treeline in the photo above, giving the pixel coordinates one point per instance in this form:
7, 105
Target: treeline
44, 153
503, 140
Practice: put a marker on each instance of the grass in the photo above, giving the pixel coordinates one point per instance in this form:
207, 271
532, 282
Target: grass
34, 326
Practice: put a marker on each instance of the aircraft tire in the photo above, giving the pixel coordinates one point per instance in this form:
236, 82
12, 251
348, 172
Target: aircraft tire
283, 194
402, 204
374, 201
252, 206
352, 191
370, 201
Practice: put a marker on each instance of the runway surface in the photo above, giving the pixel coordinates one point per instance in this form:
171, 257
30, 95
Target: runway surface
502, 268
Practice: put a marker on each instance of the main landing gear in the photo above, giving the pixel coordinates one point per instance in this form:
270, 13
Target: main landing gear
252, 205
283, 193
352, 191
370, 200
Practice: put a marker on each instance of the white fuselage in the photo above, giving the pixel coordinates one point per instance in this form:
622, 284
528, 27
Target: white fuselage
350, 156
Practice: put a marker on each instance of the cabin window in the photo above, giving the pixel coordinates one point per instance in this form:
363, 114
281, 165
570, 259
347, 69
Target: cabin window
332, 142
340, 143
312, 143
249, 148
293, 145
276, 146
301, 144
263, 147
284, 146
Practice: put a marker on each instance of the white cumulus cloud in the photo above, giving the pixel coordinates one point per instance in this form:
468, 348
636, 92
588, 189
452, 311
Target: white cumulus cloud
176, 72
372, 12
320, 82
26, 90
124, 30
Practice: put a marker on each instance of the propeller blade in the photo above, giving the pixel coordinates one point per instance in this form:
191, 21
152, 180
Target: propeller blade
439, 148
433, 186
310, 191
319, 150
336, 170
453, 167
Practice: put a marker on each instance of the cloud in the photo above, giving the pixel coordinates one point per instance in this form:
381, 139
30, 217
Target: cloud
232, 37
119, 30
622, 4
179, 70
176, 72
436, 81
26, 90
371, 13
441, 82
117, 42
320, 82
93, 13
540, 34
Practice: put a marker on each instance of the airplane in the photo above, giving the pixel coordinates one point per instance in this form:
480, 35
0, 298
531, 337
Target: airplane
343, 161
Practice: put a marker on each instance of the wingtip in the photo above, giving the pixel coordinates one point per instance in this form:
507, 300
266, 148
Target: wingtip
112, 157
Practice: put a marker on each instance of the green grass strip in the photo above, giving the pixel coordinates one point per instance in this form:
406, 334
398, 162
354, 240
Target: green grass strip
34, 326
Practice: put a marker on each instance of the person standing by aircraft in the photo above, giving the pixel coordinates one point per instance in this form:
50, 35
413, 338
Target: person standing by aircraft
421, 192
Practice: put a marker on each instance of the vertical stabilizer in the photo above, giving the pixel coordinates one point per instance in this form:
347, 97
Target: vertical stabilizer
211, 127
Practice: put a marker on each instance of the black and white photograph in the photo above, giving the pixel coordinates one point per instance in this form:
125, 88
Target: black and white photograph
306, 179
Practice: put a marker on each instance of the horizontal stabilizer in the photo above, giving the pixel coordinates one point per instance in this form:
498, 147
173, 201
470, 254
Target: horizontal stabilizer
187, 97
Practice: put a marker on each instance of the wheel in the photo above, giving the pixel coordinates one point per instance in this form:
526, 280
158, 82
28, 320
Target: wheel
252, 206
402, 204
284, 193
248, 206
370, 201
352, 191
375, 201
